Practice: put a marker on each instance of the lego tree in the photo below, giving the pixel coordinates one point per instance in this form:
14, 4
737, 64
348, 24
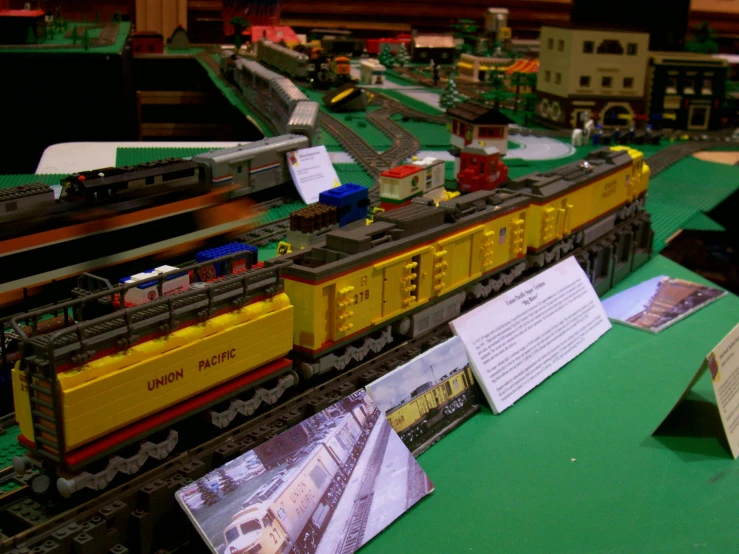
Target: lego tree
518, 80
450, 96
386, 57
74, 35
239, 24
703, 39
31, 37
467, 30
498, 92
85, 40
529, 107
402, 57
97, 16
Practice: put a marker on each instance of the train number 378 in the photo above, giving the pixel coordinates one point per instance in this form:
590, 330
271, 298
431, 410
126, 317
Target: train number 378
362, 296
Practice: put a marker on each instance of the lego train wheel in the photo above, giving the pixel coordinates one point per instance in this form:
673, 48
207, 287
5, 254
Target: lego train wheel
98, 481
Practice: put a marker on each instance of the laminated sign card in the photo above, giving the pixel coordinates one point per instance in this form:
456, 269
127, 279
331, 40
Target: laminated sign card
312, 172
723, 364
519, 338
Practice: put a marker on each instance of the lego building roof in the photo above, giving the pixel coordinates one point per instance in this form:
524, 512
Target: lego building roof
433, 41
478, 114
401, 171
22, 13
687, 58
274, 34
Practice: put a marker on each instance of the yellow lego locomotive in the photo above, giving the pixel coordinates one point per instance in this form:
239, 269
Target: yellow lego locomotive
95, 385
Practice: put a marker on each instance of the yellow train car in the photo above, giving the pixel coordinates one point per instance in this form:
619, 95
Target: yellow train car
378, 286
428, 401
80, 383
414, 267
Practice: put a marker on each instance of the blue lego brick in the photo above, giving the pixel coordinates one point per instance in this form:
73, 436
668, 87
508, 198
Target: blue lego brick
352, 202
238, 264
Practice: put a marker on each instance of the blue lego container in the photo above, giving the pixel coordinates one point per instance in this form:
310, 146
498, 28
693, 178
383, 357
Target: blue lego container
351, 202
208, 273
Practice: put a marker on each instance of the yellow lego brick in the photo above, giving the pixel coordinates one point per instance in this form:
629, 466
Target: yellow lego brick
165, 378
22, 402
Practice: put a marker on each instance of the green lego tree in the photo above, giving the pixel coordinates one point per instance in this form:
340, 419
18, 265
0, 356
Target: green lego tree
703, 39
240, 24
402, 57
496, 97
467, 30
450, 96
518, 80
529, 107
97, 16
74, 35
31, 38
386, 57
85, 40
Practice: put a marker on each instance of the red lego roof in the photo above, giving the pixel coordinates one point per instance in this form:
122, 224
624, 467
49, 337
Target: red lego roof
22, 13
274, 34
524, 66
401, 171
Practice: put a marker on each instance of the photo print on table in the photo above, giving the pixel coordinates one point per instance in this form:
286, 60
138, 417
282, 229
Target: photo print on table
428, 397
326, 485
658, 303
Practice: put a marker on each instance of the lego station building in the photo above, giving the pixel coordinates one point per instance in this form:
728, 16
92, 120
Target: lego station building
472, 122
586, 71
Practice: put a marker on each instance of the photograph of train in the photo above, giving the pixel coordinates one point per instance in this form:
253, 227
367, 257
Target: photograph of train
327, 485
428, 397
656, 304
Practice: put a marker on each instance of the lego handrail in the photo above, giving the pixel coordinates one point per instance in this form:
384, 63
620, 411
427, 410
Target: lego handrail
121, 289
164, 313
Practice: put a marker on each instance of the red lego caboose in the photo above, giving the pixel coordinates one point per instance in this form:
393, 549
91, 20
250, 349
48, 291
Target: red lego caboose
480, 168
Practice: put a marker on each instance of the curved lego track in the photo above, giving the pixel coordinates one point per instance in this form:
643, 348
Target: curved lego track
672, 154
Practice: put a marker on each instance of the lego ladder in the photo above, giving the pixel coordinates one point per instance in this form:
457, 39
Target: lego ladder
45, 410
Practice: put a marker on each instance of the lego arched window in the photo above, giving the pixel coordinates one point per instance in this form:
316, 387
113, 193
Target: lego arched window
544, 108
556, 111
610, 47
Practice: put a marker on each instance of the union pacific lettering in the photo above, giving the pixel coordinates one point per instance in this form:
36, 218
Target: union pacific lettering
216, 359
171, 377
301, 495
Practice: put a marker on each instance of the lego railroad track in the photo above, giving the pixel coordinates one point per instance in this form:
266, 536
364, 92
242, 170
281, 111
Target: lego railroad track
672, 154
129, 514
404, 145
355, 146
400, 108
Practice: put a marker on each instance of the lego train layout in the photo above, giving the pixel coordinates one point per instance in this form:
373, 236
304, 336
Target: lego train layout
111, 374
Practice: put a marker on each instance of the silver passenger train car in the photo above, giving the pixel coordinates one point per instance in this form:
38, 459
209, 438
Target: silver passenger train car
253, 167
293, 63
273, 95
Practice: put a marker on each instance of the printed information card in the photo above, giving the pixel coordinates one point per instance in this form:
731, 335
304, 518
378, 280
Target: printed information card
521, 337
312, 172
723, 363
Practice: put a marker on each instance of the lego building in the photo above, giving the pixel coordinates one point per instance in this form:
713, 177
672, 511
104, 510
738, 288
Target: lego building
686, 90
476, 69
474, 122
585, 71
424, 48
15, 25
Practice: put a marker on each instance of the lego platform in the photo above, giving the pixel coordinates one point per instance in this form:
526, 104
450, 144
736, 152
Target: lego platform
573, 466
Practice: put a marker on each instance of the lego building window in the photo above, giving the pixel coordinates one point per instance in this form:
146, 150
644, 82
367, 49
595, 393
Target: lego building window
707, 87
631, 49
11, 206
584, 80
628, 82
689, 87
671, 86
550, 43
606, 82
557, 78
547, 76
561, 45
150, 180
588, 47
698, 117
610, 47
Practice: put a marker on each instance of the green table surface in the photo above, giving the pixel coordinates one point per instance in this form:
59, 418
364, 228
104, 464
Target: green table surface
574, 467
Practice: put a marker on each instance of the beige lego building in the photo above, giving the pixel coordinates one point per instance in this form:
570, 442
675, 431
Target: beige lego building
585, 71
